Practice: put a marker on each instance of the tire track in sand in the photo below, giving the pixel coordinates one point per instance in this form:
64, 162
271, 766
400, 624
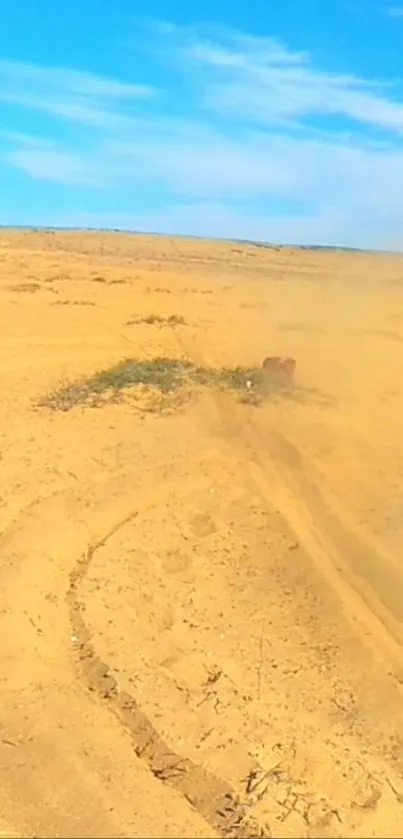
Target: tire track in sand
367, 582
67, 765
210, 796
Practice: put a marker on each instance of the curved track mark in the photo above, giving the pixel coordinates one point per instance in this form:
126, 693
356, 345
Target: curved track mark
210, 796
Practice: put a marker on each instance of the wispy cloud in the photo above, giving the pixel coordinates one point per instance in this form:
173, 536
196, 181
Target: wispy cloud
262, 79
395, 11
43, 162
74, 95
261, 127
68, 81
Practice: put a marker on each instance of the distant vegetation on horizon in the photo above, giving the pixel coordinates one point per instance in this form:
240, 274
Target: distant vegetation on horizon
257, 244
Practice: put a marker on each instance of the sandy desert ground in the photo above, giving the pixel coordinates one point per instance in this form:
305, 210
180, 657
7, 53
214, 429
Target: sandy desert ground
201, 598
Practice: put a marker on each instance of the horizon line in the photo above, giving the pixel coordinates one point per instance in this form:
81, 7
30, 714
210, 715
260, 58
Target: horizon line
256, 243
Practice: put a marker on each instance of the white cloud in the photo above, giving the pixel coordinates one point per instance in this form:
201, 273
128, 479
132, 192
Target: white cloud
77, 109
74, 95
46, 163
247, 132
395, 11
261, 78
66, 80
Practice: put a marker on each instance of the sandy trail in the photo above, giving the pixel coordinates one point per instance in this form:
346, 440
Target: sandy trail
200, 611
67, 766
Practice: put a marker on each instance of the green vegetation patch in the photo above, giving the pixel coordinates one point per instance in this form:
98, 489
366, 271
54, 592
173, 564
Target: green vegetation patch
166, 375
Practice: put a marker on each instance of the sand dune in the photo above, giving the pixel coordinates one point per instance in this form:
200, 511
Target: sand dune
201, 599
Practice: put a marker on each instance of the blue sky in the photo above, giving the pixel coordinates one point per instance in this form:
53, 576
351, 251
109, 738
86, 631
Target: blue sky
276, 120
